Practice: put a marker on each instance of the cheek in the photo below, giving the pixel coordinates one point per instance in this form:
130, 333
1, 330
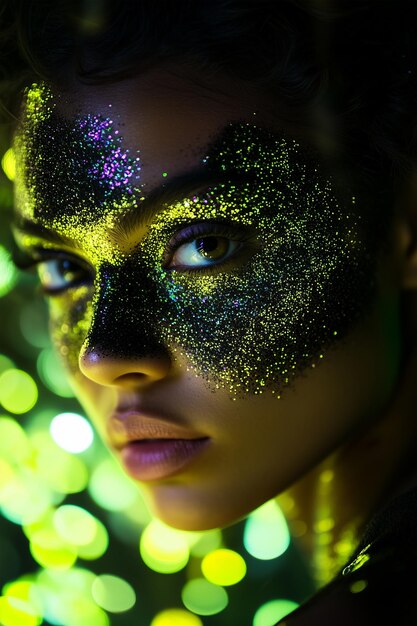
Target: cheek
69, 320
259, 327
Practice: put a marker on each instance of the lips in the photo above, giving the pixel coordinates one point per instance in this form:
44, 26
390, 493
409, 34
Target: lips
152, 447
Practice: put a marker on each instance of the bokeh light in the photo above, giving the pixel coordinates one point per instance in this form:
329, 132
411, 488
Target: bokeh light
113, 593
18, 612
82, 612
5, 363
81, 530
14, 443
163, 549
72, 432
24, 498
25, 590
7, 473
43, 523
176, 617
8, 163
274, 610
51, 552
33, 324
47, 546
358, 585
110, 488
8, 274
202, 597
61, 535
97, 546
18, 391
75, 525
70, 473
52, 373
266, 535
67, 599
223, 567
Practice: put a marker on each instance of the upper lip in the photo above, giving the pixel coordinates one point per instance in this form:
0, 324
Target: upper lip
133, 424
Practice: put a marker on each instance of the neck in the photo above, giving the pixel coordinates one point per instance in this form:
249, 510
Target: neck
328, 508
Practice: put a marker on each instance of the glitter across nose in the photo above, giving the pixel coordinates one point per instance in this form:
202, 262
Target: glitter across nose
125, 318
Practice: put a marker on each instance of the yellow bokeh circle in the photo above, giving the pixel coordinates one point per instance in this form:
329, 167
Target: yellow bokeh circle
8, 163
75, 525
18, 391
164, 549
52, 553
176, 617
98, 546
17, 612
14, 443
223, 567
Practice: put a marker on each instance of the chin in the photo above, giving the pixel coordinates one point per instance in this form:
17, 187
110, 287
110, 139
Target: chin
175, 506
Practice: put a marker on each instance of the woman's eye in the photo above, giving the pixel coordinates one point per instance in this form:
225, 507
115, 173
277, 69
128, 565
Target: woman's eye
60, 274
203, 252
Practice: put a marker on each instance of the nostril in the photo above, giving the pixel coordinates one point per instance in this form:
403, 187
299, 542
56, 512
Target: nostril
104, 369
131, 378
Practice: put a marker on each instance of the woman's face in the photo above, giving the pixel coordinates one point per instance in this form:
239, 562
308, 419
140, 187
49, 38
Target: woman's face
220, 306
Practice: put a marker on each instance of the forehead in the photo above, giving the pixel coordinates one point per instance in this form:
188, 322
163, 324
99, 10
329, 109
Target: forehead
165, 119
110, 146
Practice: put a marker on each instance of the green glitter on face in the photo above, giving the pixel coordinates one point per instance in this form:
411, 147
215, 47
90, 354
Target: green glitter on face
258, 324
301, 275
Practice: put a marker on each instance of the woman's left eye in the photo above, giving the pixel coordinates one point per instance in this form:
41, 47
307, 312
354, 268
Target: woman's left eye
58, 275
202, 246
203, 252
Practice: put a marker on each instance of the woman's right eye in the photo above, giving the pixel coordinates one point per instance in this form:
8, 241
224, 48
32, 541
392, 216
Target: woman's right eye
57, 275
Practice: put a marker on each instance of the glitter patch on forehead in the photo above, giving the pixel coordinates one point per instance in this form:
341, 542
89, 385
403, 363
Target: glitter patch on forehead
74, 175
112, 167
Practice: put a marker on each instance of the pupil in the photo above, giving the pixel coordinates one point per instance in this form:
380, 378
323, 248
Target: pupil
66, 267
212, 247
207, 244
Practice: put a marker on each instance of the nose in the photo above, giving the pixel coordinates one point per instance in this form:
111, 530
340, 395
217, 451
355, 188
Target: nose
122, 347
126, 373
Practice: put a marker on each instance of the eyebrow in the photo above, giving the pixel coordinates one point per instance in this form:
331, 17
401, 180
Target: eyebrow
138, 216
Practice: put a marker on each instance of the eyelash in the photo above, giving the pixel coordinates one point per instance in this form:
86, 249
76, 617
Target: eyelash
27, 260
191, 232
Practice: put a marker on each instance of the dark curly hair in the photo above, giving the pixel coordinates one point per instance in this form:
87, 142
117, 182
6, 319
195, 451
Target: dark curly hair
346, 66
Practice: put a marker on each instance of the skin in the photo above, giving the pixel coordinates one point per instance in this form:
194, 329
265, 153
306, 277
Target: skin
260, 446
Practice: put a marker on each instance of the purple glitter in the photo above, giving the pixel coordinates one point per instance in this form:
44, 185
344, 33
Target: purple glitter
113, 167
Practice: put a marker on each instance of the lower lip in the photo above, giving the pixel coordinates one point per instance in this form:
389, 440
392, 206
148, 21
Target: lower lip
159, 458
